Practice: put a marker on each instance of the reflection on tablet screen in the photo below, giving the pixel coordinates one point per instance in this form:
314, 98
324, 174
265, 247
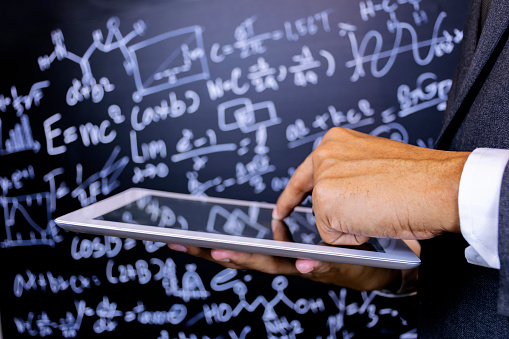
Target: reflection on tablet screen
238, 220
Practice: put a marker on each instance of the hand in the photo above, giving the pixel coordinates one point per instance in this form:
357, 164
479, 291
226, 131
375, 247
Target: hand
362, 278
364, 186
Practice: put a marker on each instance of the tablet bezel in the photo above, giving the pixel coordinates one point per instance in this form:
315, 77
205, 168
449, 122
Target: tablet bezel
397, 254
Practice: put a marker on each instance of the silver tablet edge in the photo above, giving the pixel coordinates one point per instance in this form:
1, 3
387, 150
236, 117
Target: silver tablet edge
269, 247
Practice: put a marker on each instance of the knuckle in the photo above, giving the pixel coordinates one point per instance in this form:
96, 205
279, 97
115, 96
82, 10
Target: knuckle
321, 194
320, 154
334, 133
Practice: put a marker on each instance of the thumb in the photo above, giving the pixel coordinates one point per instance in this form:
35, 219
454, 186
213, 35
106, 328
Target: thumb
307, 265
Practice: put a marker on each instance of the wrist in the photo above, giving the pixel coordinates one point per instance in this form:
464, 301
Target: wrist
452, 175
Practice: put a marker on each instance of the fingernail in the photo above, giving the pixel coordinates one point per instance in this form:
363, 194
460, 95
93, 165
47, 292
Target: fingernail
219, 256
303, 267
275, 216
273, 225
307, 266
178, 248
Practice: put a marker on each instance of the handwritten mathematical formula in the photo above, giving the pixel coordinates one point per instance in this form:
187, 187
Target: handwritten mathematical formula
107, 315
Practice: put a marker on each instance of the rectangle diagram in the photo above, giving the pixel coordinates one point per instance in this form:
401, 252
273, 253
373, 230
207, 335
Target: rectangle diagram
166, 61
244, 115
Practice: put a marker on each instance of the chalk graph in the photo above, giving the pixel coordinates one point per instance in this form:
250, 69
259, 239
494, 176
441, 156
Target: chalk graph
28, 221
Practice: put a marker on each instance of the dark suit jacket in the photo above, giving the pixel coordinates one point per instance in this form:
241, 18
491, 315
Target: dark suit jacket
459, 299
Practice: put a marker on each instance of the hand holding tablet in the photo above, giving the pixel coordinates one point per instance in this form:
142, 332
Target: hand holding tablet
225, 224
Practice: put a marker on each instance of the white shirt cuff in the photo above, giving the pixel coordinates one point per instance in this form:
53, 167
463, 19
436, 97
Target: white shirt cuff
478, 203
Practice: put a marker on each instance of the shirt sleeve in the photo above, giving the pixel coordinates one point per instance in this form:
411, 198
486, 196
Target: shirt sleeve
478, 204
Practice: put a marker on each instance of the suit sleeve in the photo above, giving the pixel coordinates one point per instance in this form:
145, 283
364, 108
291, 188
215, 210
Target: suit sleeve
503, 245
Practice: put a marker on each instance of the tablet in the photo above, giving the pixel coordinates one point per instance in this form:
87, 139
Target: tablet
224, 224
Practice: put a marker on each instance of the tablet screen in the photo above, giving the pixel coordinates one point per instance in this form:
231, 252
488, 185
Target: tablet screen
251, 220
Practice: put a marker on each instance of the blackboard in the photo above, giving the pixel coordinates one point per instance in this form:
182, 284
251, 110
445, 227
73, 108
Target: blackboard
210, 97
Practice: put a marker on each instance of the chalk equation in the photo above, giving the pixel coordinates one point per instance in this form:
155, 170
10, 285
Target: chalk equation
248, 42
262, 76
107, 316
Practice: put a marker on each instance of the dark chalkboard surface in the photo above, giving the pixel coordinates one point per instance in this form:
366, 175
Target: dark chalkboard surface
210, 97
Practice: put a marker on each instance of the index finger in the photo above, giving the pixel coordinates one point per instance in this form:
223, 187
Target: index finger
300, 185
